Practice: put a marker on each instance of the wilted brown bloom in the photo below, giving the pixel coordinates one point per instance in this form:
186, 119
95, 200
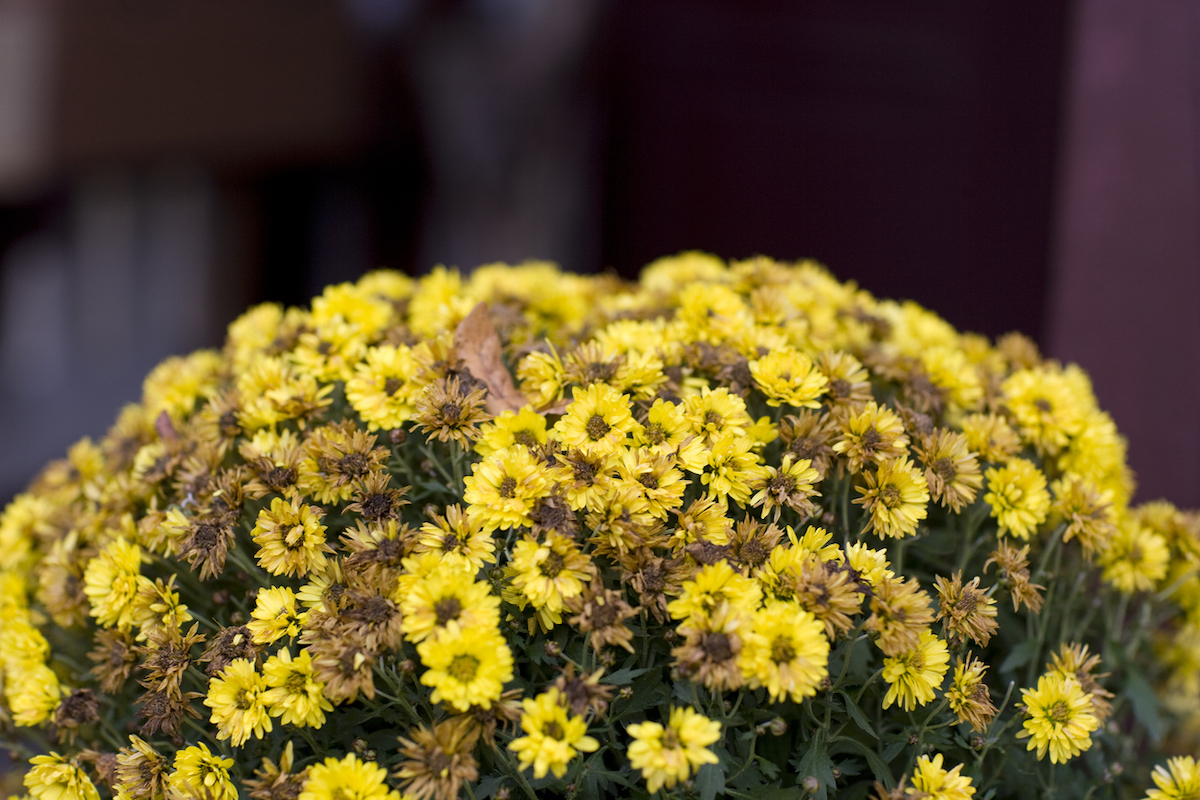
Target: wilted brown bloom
195, 479
205, 546
751, 544
900, 610
344, 666
343, 456
166, 657
584, 693
1014, 574
591, 363
1088, 514
231, 643
78, 708
376, 500
368, 615
951, 470
965, 612
602, 613
448, 411
105, 765
437, 761
920, 392
60, 583
115, 659
654, 579
711, 648
503, 713
825, 589
809, 435
849, 382
377, 547
553, 513
165, 710
276, 473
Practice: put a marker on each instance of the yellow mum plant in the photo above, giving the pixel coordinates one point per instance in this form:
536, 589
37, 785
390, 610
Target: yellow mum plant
734, 530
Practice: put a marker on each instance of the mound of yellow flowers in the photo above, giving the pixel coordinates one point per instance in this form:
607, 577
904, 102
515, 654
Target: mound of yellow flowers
734, 530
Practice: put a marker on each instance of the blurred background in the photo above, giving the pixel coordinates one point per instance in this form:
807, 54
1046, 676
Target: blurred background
166, 163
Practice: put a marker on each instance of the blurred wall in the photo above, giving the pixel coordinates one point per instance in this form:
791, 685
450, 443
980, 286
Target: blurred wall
1126, 295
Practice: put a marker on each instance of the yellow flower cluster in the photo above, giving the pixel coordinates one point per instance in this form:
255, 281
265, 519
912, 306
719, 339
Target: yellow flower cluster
423, 504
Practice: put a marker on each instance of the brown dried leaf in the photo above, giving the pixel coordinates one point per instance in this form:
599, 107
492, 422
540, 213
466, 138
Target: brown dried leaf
478, 345
165, 427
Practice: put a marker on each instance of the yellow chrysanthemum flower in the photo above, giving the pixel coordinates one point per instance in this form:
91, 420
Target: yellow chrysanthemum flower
1178, 780
501, 489
788, 376
668, 431
734, 469
1047, 408
293, 691
112, 581
466, 666
554, 736
871, 436
1018, 496
932, 782
598, 419
433, 602
991, 437
913, 676
352, 304
382, 388
786, 651
236, 698
713, 586
54, 777
33, 692
716, 413
1136, 558
348, 779
458, 538
1059, 718
950, 371
290, 538
275, 615
548, 573
667, 755
896, 497
524, 427
200, 773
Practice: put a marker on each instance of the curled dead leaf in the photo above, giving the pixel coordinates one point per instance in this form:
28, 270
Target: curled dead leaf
478, 345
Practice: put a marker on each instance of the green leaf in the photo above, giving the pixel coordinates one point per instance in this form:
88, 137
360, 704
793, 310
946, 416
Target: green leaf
623, 677
710, 781
1020, 655
893, 749
1145, 705
879, 768
817, 764
860, 719
488, 786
